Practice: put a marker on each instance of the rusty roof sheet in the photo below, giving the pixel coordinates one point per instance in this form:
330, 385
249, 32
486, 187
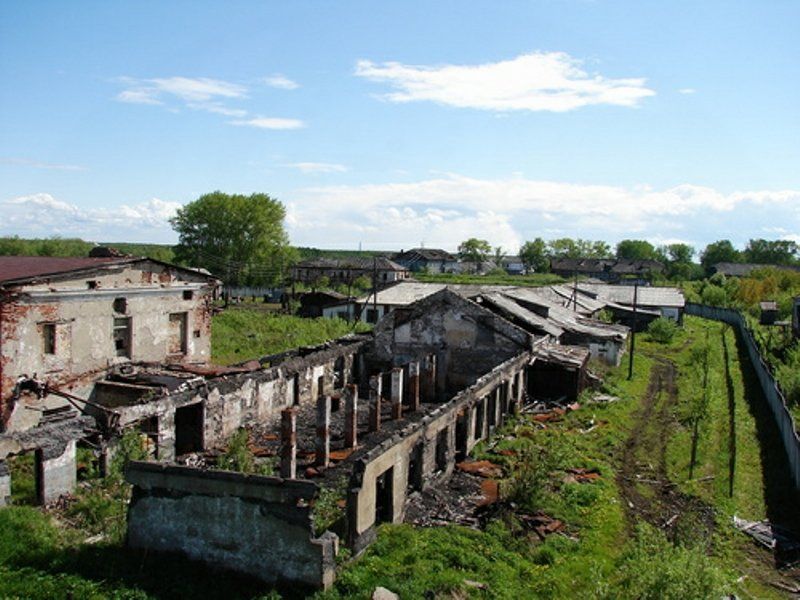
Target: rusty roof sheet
23, 267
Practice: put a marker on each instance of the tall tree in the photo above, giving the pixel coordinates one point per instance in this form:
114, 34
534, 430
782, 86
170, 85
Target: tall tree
717, 252
240, 239
534, 256
636, 250
771, 252
474, 250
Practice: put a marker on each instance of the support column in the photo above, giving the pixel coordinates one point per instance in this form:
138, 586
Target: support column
413, 385
165, 449
5, 484
350, 416
397, 393
323, 447
498, 405
288, 443
56, 473
375, 391
430, 378
107, 449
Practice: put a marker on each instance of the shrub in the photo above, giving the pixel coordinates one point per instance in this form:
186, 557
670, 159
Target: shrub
652, 567
662, 330
714, 296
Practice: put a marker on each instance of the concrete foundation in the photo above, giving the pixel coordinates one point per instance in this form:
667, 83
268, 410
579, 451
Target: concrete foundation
397, 393
288, 443
56, 473
323, 446
350, 416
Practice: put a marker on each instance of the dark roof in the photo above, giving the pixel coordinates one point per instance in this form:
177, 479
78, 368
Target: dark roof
21, 269
595, 265
416, 254
361, 263
601, 265
13, 268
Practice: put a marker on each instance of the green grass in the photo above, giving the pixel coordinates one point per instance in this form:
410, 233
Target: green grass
240, 334
533, 280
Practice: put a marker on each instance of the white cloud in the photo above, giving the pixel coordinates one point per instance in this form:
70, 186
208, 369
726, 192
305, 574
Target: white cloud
219, 109
204, 94
447, 209
269, 123
318, 167
41, 214
540, 81
188, 89
35, 164
687, 91
281, 82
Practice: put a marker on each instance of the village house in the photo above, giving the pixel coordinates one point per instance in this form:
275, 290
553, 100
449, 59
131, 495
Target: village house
430, 260
64, 322
343, 271
605, 269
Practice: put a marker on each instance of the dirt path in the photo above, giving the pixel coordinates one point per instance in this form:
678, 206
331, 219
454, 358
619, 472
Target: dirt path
646, 490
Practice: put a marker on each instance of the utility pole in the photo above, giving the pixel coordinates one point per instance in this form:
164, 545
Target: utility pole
575, 293
633, 330
375, 286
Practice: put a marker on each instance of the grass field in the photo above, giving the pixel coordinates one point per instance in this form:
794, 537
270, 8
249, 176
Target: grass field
240, 334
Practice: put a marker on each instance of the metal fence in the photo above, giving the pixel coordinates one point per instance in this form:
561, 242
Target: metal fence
769, 385
271, 294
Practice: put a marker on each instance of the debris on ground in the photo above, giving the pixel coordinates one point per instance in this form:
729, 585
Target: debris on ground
482, 468
603, 399
541, 524
580, 475
381, 593
491, 492
772, 536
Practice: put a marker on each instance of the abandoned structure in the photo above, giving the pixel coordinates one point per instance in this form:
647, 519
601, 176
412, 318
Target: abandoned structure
431, 260
343, 271
375, 417
605, 269
64, 322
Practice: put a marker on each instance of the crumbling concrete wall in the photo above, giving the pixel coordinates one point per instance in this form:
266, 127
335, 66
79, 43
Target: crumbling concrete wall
414, 456
80, 313
233, 401
466, 339
260, 526
54, 448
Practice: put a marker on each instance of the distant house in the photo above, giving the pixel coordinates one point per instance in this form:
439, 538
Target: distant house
65, 321
346, 270
605, 269
769, 312
313, 304
744, 269
513, 265
431, 260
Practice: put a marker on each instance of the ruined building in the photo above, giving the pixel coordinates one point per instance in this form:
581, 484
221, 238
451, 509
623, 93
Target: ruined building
369, 418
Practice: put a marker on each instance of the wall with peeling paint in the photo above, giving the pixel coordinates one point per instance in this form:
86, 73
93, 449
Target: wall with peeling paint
82, 310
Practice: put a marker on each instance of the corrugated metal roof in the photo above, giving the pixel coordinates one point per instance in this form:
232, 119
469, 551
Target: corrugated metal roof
408, 292
646, 296
508, 306
13, 268
567, 319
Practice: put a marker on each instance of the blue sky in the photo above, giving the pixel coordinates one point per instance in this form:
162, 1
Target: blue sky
398, 123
